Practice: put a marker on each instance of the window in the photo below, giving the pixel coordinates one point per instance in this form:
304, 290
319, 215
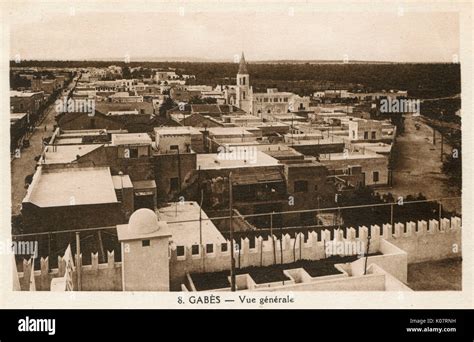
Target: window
374, 135
131, 152
145, 243
174, 184
174, 147
243, 95
375, 176
300, 186
224, 247
252, 242
180, 250
209, 248
366, 135
134, 152
353, 134
195, 249
315, 187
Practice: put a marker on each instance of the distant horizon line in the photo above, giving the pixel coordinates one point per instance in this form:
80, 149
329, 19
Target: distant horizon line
217, 60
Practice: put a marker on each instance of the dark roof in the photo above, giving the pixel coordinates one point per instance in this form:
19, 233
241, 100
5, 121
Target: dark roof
134, 123
198, 120
247, 176
106, 107
207, 109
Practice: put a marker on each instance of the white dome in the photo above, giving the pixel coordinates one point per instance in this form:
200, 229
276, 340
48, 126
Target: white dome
143, 221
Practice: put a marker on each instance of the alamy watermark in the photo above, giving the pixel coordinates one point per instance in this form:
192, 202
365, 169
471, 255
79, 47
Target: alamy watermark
245, 153
28, 324
344, 248
70, 105
390, 105
26, 248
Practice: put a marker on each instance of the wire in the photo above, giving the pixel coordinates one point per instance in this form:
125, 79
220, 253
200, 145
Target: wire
253, 215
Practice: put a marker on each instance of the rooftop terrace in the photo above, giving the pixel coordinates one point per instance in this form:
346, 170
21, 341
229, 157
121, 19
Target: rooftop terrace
71, 186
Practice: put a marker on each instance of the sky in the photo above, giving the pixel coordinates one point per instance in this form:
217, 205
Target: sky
60, 31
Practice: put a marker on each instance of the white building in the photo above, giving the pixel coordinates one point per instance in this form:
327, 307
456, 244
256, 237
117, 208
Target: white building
260, 104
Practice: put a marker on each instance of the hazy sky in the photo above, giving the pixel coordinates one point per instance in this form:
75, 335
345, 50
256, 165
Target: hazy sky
59, 31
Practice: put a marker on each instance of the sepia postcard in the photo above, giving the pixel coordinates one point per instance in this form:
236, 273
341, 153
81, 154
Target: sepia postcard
235, 154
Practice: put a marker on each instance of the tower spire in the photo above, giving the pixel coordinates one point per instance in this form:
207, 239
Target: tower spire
243, 65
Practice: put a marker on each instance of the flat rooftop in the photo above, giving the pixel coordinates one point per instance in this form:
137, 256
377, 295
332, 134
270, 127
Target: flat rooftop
310, 142
283, 154
188, 233
71, 186
215, 161
68, 141
375, 147
242, 117
331, 114
86, 132
287, 116
183, 130
349, 156
229, 131
282, 93
15, 93
59, 154
272, 124
131, 139
17, 116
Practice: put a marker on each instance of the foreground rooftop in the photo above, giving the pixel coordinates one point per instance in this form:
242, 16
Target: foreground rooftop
71, 186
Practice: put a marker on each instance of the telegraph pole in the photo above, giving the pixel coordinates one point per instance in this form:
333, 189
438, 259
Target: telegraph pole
442, 143
78, 262
232, 260
200, 229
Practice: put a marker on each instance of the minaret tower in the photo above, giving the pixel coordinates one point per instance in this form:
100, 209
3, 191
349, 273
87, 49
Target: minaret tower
244, 94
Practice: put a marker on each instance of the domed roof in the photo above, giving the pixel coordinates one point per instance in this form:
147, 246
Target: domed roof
143, 221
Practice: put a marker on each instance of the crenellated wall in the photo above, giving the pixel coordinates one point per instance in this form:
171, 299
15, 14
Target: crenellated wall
426, 241
395, 246
421, 242
94, 277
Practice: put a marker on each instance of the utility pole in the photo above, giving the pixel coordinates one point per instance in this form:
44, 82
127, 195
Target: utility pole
440, 211
179, 171
442, 146
78, 262
200, 230
391, 215
367, 253
232, 260
273, 240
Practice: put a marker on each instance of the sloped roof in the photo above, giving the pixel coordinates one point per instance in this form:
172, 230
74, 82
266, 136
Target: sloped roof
243, 65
